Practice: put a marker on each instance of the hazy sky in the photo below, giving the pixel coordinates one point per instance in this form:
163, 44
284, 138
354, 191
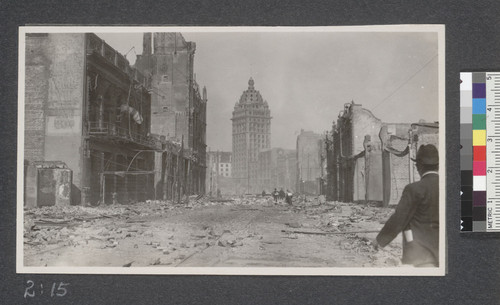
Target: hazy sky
307, 78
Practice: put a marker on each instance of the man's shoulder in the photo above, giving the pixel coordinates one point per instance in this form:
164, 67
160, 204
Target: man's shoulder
423, 183
414, 185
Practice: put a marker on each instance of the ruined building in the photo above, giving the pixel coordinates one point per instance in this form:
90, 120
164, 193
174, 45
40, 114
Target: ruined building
309, 162
178, 108
369, 160
101, 131
251, 134
85, 107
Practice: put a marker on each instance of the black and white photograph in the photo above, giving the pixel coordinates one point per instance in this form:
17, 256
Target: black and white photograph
231, 150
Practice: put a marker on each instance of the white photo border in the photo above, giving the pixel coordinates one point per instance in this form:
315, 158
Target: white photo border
285, 271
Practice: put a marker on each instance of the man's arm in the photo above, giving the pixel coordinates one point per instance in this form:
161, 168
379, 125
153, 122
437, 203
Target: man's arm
399, 220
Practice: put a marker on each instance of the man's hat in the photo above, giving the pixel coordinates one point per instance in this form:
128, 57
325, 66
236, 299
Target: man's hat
427, 155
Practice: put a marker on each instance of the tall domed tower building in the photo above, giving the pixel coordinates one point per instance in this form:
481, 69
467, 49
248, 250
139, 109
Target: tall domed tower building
251, 134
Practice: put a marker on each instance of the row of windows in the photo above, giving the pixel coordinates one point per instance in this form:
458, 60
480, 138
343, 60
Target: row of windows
261, 120
223, 170
258, 135
257, 112
253, 106
254, 143
251, 130
243, 127
243, 136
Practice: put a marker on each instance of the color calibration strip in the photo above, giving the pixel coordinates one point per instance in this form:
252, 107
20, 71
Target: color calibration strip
480, 151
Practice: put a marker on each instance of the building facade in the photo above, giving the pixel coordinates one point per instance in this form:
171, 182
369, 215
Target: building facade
223, 163
86, 107
219, 162
359, 174
369, 160
219, 172
277, 169
251, 122
178, 106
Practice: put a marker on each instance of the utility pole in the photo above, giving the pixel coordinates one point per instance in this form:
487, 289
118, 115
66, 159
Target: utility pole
217, 171
181, 155
248, 174
308, 168
187, 184
209, 167
302, 176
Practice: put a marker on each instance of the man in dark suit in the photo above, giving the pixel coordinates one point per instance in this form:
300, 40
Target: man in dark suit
417, 214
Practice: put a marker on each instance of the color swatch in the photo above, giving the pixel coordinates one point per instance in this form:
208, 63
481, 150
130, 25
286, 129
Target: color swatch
480, 151
466, 151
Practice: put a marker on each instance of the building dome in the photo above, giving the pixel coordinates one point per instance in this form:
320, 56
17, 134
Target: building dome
251, 96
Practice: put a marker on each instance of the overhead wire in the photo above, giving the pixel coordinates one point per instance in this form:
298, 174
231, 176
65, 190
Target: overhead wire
405, 82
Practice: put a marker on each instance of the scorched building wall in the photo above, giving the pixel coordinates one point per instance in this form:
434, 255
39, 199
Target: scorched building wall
86, 107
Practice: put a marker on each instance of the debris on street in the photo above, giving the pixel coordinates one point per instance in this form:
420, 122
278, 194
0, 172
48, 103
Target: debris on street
232, 231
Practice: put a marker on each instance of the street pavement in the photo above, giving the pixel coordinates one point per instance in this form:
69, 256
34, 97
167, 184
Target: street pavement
233, 232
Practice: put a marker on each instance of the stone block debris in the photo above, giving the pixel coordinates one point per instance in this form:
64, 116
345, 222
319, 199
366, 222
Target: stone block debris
231, 232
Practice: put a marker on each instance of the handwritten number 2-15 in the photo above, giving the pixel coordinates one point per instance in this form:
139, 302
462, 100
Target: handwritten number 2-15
58, 289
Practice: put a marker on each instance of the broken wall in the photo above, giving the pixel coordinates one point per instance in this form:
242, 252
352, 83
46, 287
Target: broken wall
171, 71
54, 97
36, 91
367, 184
47, 185
63, 133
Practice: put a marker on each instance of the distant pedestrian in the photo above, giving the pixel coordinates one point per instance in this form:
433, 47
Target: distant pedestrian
417, 214
219, 194
288, 197
282, 194
263, 193
275, 195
